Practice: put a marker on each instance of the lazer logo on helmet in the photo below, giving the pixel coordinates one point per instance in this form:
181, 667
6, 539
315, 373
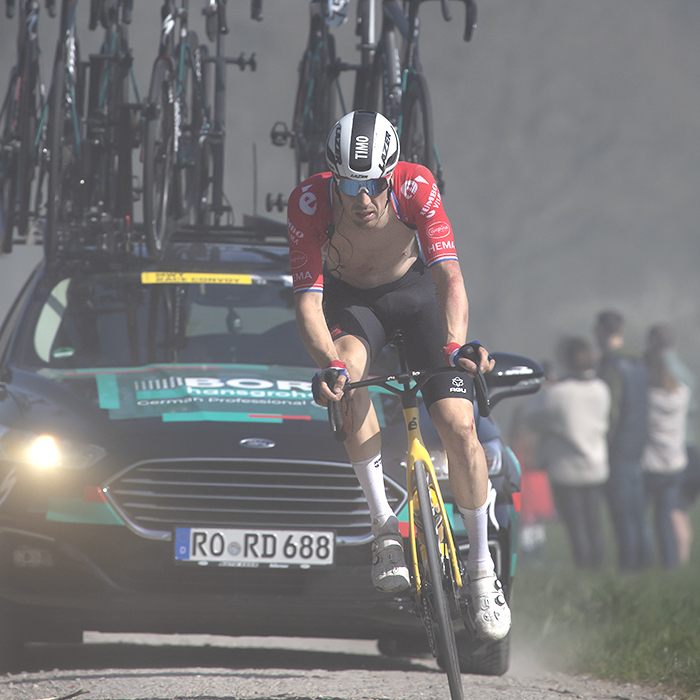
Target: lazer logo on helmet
385, 150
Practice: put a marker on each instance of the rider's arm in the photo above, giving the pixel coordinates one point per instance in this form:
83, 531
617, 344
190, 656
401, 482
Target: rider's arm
454, 305
313, 328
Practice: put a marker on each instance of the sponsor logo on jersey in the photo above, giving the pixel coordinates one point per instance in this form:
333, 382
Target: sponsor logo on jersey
440, 229
440, 246
307, 201
301, 276
409, 188
432, 203
335, 331
297, 259
294, 233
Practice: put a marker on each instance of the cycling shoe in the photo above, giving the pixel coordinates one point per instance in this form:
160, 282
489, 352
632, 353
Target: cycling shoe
489, 611
389, 572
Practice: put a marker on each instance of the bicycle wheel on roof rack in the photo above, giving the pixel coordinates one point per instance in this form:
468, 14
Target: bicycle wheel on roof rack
385, 85
192, 174
417, 142
66, 184
314, 113
8, 168
433, 603
159, 157
27, 121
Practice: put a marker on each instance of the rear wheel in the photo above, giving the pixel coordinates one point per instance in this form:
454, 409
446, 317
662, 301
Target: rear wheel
433, 601
417, 143
159, 158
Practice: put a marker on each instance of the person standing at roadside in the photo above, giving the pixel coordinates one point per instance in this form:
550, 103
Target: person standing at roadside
571, 417
626, 375
665, 456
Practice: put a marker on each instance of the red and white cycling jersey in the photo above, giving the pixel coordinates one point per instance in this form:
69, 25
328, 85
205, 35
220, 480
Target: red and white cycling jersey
416, 201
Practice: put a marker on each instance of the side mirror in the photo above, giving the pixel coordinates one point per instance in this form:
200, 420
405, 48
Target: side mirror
513, 375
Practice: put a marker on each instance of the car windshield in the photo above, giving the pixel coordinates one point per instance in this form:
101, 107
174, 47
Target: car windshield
130, 319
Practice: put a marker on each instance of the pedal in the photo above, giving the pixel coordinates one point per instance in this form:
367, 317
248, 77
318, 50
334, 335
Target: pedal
280, 134
278, 203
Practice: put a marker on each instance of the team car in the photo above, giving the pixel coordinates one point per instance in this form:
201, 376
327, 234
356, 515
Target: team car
164, 468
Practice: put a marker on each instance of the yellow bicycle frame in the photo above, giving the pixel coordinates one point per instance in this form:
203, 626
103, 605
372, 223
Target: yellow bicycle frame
418, 453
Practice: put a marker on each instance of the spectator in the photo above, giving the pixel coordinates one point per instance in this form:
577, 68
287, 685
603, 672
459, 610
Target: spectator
626, 376
571, 417
665, 456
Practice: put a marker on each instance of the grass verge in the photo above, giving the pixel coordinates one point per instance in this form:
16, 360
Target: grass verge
640, 628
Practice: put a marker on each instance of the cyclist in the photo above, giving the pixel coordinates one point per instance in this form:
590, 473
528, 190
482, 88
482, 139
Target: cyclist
360, 272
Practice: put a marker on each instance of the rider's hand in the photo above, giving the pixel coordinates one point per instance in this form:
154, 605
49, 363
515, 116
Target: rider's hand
455, 357
327, 384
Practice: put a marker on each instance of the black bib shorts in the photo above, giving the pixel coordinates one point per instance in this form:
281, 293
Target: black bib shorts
411, 305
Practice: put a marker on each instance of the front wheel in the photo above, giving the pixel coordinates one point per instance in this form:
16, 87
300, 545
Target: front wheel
417, 142
435, 609
159, 158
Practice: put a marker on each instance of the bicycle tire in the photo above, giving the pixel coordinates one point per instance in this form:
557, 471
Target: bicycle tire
204, 160
385, 90
436, 609
159, 158
417, 140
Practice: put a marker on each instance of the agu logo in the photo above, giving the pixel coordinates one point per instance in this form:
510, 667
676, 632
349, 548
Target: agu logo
440, 229
297, 259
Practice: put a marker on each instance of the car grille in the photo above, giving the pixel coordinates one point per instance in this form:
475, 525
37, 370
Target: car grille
156, 496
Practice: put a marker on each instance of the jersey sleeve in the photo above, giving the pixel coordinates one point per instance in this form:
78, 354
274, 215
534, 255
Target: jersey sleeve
420, 206
307, 219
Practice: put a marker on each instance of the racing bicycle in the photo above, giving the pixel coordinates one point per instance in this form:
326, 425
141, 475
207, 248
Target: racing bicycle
436, 570
183, 149
394, 84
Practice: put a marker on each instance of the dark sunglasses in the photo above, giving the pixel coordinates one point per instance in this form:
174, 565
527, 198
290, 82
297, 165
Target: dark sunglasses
354, 187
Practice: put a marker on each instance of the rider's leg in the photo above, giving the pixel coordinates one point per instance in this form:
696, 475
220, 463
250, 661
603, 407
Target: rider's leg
454, 421
363, 445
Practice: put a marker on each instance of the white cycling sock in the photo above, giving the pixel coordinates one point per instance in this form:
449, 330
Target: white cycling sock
370, 474
479, 561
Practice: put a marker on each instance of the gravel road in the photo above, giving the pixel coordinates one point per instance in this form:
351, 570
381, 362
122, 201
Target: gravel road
154, 667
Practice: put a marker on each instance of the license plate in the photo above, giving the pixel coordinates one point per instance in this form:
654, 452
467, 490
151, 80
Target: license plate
252, 548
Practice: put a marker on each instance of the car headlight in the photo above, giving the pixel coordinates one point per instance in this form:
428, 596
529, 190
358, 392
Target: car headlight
46, 451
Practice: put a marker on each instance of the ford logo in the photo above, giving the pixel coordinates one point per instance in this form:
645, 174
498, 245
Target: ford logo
257, 443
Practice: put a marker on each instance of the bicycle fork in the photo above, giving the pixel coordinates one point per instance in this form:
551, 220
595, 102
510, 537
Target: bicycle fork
418, 452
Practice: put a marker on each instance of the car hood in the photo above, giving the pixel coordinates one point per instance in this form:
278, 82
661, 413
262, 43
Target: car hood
190, 408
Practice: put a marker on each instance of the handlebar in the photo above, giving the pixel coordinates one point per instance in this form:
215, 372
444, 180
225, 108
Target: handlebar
419, 377
470, 16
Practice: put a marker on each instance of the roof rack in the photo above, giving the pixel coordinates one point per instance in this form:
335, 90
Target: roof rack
255, 230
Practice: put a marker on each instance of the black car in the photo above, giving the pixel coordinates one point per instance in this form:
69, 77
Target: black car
163, 467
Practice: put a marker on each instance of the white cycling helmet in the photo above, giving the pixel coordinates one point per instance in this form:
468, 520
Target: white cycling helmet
362, 146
